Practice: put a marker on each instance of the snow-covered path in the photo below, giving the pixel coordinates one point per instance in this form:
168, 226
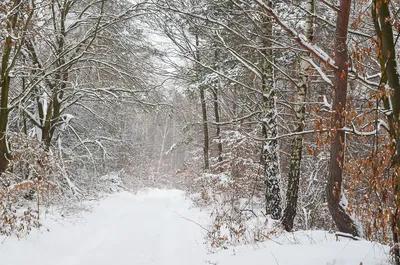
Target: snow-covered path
150, 228
124, 229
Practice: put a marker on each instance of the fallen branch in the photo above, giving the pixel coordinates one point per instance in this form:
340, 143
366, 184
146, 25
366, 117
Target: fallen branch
340, 234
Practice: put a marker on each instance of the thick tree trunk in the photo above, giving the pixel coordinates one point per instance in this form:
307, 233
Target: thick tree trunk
297, 143
334, 188
387, 56
269, 129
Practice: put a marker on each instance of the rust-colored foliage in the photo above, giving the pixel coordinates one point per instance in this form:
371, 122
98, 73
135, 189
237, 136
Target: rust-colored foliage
32, 176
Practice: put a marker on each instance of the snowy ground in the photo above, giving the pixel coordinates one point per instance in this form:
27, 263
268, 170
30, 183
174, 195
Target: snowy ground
150, 228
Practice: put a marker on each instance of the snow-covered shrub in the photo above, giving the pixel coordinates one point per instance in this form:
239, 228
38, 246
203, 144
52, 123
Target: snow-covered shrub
32, 179
312, 208
112, 182
233, 188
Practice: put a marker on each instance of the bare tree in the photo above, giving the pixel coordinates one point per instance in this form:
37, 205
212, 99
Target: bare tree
17, 23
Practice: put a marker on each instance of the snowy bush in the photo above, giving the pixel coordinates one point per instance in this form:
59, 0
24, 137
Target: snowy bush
233, 188
112, 182
32, 179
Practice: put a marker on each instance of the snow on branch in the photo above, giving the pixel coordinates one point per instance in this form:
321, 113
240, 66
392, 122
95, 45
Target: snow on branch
326, 103
354, 130
320, 72
288, 135
299, 38
334, 7
365, 79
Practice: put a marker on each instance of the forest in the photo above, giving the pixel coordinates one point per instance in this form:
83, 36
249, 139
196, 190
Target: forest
276, 115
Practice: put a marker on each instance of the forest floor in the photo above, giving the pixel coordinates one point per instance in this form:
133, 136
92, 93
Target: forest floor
160, 227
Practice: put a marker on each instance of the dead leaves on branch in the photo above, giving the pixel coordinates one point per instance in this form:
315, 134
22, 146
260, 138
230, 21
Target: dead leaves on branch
370, 170
31, 179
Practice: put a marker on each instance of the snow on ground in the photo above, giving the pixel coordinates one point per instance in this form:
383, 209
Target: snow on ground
152, 228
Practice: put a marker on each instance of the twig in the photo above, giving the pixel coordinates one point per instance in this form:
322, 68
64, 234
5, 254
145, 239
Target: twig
335, 8
275, 258
187, 219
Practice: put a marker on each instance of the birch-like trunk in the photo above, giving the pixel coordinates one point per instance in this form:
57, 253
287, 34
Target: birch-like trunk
297, 142
269, 129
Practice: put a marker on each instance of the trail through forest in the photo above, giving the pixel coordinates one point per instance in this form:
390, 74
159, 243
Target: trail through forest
161, 227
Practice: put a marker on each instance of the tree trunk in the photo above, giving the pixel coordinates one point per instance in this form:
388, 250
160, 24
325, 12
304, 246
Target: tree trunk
205, 129
163, 134
334, 188
297, 143
269, 128
206, 143
387, 57
216, 109
61, 79
5, 88
7, 64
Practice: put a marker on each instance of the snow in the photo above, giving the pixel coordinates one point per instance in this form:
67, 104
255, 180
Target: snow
320, 72
161, 227
326, 103
301, 39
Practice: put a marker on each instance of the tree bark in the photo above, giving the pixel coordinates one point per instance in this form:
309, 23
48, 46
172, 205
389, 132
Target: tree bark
206, 144
61, 79
334, 188
387, 57
269, 127
7, 64
216, 109
297, 143
5, 88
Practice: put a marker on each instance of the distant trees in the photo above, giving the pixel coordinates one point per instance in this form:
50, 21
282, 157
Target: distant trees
65, 64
